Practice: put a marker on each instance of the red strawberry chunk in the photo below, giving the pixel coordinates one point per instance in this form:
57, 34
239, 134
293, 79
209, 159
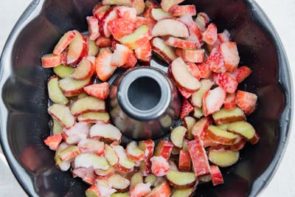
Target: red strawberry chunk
213, 100
103, 42
230, 101
51, 60
230, 55
104, 68
53, 141
180, 10
131, 61
224, 36
64, 42
185, 93
125, 12
226, 81
210, 34
198, 156
216, 175
194, 70
109, 16
93, 28
144, 52
215, 61
242, 73
193, 56
181, 43
120, 55
164, 149
100, 91
246, 101
160, 166
205, 71
186, 109
184, 162
195, 32
120, 27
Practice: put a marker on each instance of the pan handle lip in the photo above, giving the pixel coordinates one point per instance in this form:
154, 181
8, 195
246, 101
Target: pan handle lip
30, 13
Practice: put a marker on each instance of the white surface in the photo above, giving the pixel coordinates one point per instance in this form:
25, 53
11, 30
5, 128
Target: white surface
282, 15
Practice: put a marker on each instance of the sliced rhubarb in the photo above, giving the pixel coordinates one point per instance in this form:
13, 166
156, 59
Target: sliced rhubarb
170, 27
223, 158
105, 131
55, 93
87, 104
63, 114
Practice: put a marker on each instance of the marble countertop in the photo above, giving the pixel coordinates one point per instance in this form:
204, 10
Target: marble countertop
282, 15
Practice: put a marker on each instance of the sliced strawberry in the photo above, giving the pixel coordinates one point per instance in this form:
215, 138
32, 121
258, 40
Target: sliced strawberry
230, 101
140, 190
180, 43
77, 49
53, 141
160, 166
86, 174
100, 91
192, 56
93, 27
230, 55
120, 55
205, 71
186, 109
210, 34
227, 82
148, 147
215, 61
184, 92
100, 10
125, 12
199, 157
224, 36
131, 61
162, 190
109, 16
51, 60
64, 42
104, 68
242, 73
180, 10
144, 52
164, 149
246, 101
216, 175
103, 42
120, 27
213, 100
184, 162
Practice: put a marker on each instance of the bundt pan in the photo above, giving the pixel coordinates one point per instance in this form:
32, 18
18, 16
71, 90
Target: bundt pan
24, 118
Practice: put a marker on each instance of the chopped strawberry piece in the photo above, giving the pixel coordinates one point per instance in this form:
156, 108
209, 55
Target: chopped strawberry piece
200, 127
64, 42
120, 27
180, 10
230, 101
93, 28
199, 157
100, 10
210, 34
226, 81
103, 42
109, 16
180, 43
140, 190
184, 162
104, 68
224, 36
53, 141
192, 56
242, 73
186, 109
184, 92
120, 55
50, 60
160, 166
213, 100
194, 31
148, 147
246, 101
144, 52
125, 12
131, 61
205, 71
215, 61
194, 70
162, 190
100, 91
86, 174
230, 55
216, 175
164, 149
